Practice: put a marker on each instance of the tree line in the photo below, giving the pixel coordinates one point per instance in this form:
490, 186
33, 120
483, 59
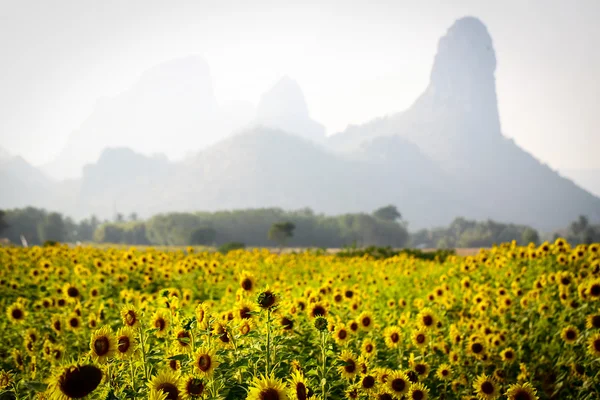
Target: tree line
274, 226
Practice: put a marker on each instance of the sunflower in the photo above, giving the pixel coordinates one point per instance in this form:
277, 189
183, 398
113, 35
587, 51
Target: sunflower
365, 321
521, 391
317, 310
341, 334
297, 387
245, 327
349, 367
420, 368
267, 388
368, 348
71, 292
160, 321
202, 315
286, 323
420, 338
569, 334
418, 391
267, 299
392, 336
594, 345
103, 344
192, 386
205, 361
427, 318
247, 282
130, 316
593, 290
167, 381
367, 383
74, 382
444, 372
16, 313
6, 379
183, 340
74, 322
486, 388
244, 310
508, 355
126, 342
221, 331
398, 383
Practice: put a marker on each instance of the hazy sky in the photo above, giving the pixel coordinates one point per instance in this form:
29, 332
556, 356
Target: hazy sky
354, 61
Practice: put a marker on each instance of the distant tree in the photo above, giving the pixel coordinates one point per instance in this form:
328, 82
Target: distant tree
119, 217
133, 216
387, 213
52, 228
3, 223
203, 236
530, 235
280, 232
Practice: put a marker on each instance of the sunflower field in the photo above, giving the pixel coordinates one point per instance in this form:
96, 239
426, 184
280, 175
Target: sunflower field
510, 322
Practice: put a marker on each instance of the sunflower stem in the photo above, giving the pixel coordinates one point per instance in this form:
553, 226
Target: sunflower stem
268, 341
132, 374
143, 342
323, 365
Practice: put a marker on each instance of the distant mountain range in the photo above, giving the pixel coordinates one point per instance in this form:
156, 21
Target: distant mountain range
443, 157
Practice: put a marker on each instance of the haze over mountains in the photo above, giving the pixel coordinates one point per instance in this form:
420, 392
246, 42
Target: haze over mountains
443, 157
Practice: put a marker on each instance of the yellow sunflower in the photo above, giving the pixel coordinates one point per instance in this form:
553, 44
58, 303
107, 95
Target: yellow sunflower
594, 345
126, 342
161, 321
103, 344
418, 391
167, 381
349, 367
392, 336
486, 388
267, 388
130, 316
398, 383
521, 391
16, 313
205, 361
298, 390
569, 334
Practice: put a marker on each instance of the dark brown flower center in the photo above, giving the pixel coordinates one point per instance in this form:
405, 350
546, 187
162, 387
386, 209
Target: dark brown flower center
477, 348
204, 362
247, 284
571, 334
350, 366
130, 318
342, 334
418, 395
160, 324
72, 292
395, 337
366, 321
427, 320
269, 394
368, 382
398, 385
301, 393
195, 387
17, 313
170, 389
78, 382
487, 387
101, 345
124, 344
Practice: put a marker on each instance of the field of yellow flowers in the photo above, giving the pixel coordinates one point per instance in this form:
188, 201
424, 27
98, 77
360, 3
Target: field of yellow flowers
510, 322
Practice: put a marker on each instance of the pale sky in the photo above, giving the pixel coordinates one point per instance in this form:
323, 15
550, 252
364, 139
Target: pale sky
355, 60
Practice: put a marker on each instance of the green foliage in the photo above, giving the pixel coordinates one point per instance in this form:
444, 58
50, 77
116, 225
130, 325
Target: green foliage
203, 236
375, 252
387, 213
124, 232
280, 232
3, 223
464, 233
227, 247
530, 235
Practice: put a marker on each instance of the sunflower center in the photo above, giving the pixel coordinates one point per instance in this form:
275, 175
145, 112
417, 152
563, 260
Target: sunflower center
56, 325
124, 344
245, 313
74, 322
204, 362
350, 366
366, 321
160, 324
385, 396
487, 387
509, 355
398, 385
72, 292
78, 382
101, 345
428, 320
571, 335
195, 387
287, 323
17, 313
301, 391
596, 345
247, 284
266, 300
522, 395
183, 338
170, 389
476, 348
342, 334
269, 394
369, 348
595, 290
420, 338
395, 337
318, 310
368, 382
418, 395
420, 369
130, 318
